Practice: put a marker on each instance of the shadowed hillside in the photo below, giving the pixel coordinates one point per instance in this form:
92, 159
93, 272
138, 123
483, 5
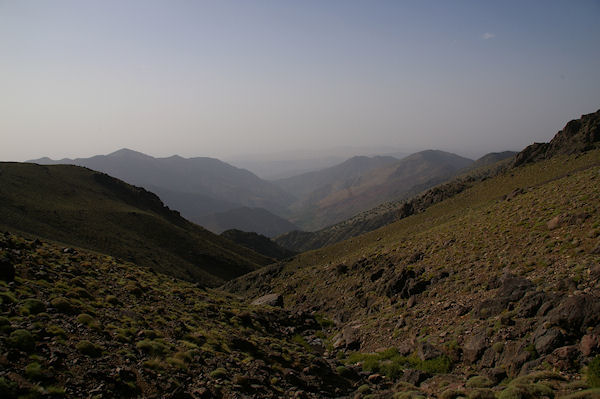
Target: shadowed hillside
257, 220
88, 209
79, 324
258, 243
194, 186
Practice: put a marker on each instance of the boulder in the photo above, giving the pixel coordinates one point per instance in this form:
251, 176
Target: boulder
531, 302
564, 358
415, 377
514, 288
348, 338
426, 351
575, 314
589, 345
474, 347
513, 357
554, 223
275, 300
549, 340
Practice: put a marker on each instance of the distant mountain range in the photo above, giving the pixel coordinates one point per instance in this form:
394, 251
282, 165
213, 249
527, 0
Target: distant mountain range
389, 212
194, 186
334, 194
220, 196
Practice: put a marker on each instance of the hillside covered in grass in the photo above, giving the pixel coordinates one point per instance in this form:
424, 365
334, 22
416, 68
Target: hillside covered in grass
79, 324
500, 281
84, 208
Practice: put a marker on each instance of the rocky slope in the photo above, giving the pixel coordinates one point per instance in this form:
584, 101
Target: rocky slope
499, 282
80, 324
577, 136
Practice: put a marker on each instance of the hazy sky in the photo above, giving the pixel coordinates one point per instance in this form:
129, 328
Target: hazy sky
219, 78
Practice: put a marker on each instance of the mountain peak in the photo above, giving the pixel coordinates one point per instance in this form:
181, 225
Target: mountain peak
127, 153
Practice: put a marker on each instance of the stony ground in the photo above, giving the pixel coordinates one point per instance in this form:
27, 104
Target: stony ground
472, 297
84, 325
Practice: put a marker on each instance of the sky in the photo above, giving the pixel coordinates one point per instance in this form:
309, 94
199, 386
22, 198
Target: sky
240, 78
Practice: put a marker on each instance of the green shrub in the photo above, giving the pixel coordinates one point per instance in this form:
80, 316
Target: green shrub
113, 300
56, 331
218, 373
441, 364
593, 372
22, 339
87, 320
479, 381
153, 347
63, 305
154, 364
88, 348
526, 391
452, 394
34, 371
391, 363
323, 321
593, 393
7, 297
33, 306
55, 391
481, 393
5, 326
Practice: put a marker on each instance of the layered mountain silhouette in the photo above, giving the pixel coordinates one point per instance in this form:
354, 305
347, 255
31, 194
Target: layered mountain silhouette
220, 197
389, 212
334, 194
194, 186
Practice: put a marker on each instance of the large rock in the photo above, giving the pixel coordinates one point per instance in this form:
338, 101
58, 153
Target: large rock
348, 338
426, 351
564, 358
549, 340
512, 288
531, 302
275, 300
474, 347
589, 344
415, 377
513, 357
575, 314
578, 135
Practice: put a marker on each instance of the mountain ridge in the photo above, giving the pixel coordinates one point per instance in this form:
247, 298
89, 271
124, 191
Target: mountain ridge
85, 208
